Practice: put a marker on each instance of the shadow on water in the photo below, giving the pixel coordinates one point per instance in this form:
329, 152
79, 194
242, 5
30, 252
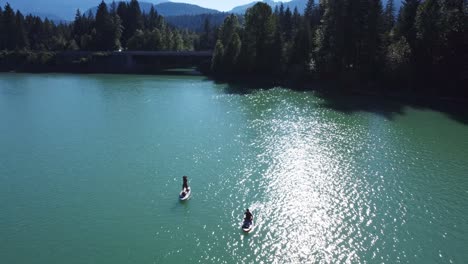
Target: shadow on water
388, 106
245, 87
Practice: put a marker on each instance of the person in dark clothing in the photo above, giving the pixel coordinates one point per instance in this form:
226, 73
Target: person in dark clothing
185, 184
248, 216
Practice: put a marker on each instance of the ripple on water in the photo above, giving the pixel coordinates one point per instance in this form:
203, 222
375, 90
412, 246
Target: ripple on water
320, 186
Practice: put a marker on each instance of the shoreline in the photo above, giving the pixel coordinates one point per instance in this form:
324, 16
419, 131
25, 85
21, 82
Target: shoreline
117, 63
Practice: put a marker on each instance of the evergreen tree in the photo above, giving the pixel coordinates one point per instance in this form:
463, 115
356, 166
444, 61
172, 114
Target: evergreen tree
207, 38
137, 41
278, 59
287, 25
259, 32
79, 26
232, 53
406, 26
21, 37
155, 40
429, 28
312, 14
296, 21
2, 35
310, 8
178, 43
218, 58
227, 30
153, 18
330, 38
9, 28
389, 16
108, 29
133, 20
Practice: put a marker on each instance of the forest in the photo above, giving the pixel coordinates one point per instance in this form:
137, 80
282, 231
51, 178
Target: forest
114, 27
421, 48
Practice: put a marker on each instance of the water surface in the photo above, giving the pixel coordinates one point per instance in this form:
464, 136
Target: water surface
91, 166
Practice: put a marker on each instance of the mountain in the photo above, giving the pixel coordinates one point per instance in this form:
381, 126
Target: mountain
241, 9
144, 6
171, 9
178, 9
63, 9
300, 4
51, 17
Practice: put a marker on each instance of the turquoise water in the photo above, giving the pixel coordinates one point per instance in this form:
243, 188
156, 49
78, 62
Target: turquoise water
91, 167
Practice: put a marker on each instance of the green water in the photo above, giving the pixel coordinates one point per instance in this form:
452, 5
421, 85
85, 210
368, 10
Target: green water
91, 167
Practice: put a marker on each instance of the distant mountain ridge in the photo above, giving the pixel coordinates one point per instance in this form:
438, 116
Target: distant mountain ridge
178, 9
300, 4
170, 9
64, 10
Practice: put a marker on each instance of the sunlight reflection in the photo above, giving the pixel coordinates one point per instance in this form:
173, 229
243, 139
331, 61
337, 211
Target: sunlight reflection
310, 196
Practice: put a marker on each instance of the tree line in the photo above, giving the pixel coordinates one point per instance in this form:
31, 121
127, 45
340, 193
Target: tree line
422, 45
115, 26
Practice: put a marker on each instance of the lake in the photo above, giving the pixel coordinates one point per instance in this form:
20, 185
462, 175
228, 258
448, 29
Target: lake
91, 167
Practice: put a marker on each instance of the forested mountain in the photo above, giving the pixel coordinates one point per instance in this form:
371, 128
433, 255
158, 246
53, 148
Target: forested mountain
242, 8
177, 9
169, 9
145, 7
299, 4
63, 9
56, 19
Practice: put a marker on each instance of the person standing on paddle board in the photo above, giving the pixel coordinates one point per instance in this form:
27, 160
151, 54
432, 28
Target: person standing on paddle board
248, 216
185, 183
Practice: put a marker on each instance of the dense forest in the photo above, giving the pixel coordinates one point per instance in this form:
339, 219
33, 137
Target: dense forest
423, 46
117, 26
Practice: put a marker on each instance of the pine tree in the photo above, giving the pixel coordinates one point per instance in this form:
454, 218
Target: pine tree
133, 20
9, 28
2, 30
259, 32
108, 29
389, 16
218, 57
79, 27
206, 38
287, 25
296, 21
21, 37
428, 25
330, 38
406, 22
312, 14
152, 19
227, 30
310, 8
430, 38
